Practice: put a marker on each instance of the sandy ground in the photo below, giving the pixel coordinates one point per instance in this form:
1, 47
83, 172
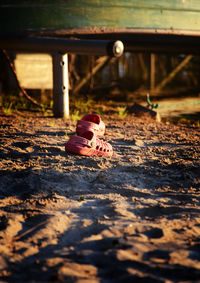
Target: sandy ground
130, 218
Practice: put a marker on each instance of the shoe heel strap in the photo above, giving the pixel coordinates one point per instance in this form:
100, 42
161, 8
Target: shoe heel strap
82, 141
86, 124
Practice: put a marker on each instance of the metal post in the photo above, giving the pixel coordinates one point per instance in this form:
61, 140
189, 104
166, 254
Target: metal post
60, 85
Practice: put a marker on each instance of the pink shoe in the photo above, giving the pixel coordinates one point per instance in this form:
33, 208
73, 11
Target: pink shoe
88, 144
91, 122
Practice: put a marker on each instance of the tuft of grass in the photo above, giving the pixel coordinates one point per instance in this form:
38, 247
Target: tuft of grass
8, 109
52, 124
44, 110
51, 104
122, 112
83, 105
3, 127
99, 111
75, 116
82, 198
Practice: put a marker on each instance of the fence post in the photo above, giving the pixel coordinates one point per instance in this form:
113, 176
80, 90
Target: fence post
152, 71
60, 85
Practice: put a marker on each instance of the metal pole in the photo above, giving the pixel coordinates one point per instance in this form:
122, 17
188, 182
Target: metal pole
63, 45
60, 85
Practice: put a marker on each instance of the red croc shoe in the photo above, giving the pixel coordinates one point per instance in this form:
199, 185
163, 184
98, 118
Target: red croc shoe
88, 144
91, 122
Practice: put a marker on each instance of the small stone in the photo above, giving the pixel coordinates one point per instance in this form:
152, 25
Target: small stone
138, 142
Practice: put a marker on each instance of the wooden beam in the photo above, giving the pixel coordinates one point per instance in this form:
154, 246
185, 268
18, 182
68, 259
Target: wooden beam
100, 63
173, 73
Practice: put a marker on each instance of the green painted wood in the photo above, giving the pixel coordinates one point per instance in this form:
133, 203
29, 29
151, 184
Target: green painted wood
18, 16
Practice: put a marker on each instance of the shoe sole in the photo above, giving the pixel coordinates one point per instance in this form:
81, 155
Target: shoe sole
85, 151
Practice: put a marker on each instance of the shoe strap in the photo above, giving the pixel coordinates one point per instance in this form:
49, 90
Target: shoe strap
87, 124
83, 141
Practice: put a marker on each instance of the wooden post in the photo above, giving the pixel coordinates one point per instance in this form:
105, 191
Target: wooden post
60, 85
152, 71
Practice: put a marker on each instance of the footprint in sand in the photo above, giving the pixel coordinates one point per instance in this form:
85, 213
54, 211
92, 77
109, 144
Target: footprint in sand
154, 233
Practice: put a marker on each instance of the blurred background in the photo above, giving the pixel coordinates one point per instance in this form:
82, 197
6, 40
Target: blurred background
172, 81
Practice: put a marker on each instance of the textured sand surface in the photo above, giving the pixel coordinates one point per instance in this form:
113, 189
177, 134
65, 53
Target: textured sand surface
138, 219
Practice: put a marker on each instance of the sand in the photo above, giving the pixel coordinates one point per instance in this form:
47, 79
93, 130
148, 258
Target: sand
133, 217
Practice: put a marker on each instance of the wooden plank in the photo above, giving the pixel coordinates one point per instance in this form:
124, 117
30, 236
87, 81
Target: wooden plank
34, 71
42, 15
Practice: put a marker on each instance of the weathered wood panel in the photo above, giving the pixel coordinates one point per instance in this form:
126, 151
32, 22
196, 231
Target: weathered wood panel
95, 16
34, 71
